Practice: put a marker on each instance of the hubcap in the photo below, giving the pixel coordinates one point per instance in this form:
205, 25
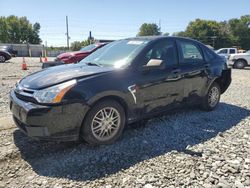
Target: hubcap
213, 96
240, 64
2, 58
106, 123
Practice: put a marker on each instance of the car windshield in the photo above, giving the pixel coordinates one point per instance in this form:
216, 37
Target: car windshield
248, 52
89, 47
117, 54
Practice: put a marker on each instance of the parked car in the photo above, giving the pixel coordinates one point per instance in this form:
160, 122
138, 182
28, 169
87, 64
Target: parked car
226, 52
9, 49
74, 57
4, 54
124, 82
240, 61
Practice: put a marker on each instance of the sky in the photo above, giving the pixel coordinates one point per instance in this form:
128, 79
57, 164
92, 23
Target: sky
115, 19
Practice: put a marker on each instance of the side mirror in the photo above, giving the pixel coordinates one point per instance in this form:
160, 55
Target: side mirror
154, 64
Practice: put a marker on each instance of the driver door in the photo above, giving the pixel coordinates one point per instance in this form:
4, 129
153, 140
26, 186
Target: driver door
160, 88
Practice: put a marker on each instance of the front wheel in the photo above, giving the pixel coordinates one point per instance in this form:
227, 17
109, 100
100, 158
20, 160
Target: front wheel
212, 98
104, 123
2, 58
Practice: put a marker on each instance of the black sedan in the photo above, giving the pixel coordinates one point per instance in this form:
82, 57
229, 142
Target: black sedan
125, 81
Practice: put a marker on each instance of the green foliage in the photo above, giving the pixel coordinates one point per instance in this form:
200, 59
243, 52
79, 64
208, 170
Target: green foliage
149, 29
166, 34
235, 32
15, 29
240, 29
76, 45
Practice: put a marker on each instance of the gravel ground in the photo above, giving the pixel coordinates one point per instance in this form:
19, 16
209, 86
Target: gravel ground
189, 148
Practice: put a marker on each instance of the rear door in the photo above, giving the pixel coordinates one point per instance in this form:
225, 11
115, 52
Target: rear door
194, 69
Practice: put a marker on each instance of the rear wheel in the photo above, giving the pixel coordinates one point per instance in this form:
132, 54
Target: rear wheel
212, 98
2, 58
240, 64
104, 123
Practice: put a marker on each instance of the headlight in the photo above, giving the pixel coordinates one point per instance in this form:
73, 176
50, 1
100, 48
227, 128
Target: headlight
55, 93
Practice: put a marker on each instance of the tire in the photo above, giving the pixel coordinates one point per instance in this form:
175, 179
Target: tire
212, 98
240, 64
2, 58
98, 127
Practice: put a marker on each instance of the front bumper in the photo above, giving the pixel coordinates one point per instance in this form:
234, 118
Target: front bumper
59, 123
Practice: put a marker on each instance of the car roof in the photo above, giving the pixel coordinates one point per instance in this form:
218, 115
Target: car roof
152, 38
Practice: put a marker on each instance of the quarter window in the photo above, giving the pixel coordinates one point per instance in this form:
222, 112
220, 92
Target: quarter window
209, 54
189, 52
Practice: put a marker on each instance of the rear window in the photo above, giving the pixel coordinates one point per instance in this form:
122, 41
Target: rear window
232, 51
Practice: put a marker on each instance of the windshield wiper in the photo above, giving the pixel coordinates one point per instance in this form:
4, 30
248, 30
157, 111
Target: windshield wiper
93, 64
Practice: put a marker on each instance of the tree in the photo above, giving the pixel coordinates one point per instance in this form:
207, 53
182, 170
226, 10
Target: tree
240, 29
15, 29
209, 32
179, 34
166, 34
76, 45
148, 29
235, 32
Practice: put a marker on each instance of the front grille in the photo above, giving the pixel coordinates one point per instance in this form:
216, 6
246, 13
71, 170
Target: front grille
25, 97
25, 94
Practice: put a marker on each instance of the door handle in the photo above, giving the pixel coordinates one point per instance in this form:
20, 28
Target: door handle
206, 65
176, 71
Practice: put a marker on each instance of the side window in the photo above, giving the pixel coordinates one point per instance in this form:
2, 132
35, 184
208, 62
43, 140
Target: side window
224, 51
232, 51
189, 52
163, 50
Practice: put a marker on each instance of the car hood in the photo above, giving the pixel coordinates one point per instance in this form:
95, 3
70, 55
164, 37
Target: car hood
69, 54
59, 74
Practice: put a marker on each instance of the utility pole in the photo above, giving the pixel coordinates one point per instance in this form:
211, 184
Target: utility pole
67, 29
160, 26
90, 37
214, 38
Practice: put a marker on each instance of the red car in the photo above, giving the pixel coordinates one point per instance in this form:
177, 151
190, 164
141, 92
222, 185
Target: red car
74, 57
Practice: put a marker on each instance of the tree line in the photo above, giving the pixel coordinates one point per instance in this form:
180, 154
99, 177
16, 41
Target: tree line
19, 30
234, 32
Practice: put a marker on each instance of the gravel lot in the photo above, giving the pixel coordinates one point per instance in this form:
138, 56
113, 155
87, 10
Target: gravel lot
190, 148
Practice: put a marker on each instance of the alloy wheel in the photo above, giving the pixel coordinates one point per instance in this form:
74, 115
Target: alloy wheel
106, 123
213, 96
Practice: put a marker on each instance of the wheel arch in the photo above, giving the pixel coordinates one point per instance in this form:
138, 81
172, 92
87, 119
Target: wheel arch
6, 55
92, 102
224, 80
240, 59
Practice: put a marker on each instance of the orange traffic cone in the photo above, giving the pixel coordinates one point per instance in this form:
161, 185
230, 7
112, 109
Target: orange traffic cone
45, 59
24, 65
41, 60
